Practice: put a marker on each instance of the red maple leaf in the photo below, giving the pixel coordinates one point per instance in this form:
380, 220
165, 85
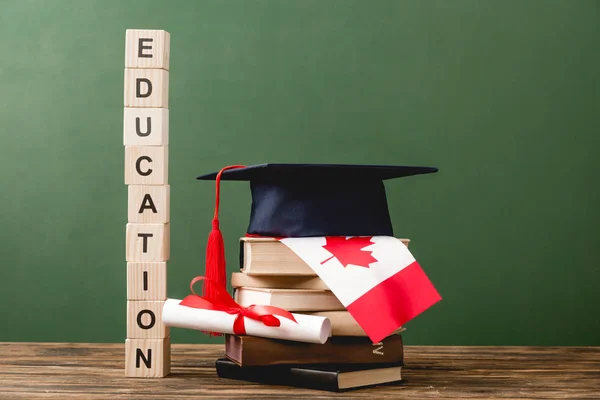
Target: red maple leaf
349, 251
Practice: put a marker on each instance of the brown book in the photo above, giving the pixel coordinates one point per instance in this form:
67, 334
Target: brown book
268, 256
240, 279
257, 351
343, 323
289, 299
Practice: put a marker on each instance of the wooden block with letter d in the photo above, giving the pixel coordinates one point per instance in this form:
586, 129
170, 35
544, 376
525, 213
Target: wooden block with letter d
148, 204
147, 48
146, 88
148, 358
147, 242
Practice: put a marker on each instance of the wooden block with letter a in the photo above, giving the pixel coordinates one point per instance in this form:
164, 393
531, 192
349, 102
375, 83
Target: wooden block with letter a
147, 242
146, 165
148, 203
148, 358
147, 48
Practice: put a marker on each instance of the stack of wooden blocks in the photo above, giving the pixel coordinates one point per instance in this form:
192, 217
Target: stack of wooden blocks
146, 141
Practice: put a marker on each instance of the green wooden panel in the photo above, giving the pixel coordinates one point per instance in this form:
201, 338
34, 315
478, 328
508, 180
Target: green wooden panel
502, 96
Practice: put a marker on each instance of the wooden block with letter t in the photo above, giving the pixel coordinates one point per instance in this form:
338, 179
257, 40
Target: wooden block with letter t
148, 358
146, 165
146, 281
149, 204
146, 88
144, 320
147, 242
147, 48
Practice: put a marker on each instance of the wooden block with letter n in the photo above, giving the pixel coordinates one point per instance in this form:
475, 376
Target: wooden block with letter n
146, 165
148, 204
147, 242
148, 358
147, 48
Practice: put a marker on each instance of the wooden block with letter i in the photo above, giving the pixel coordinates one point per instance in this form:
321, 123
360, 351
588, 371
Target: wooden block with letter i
146, 281
148, 358
147, 242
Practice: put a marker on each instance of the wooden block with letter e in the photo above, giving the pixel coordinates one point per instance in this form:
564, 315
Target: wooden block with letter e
149, 204
144, 320
146, 281
148, 358
147, 48
146, 127
146, 165
147, 242
146, 88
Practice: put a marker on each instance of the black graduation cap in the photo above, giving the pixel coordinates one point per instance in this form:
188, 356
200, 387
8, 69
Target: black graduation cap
300, 200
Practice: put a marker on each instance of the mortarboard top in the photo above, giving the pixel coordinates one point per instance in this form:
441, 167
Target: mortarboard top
301, 200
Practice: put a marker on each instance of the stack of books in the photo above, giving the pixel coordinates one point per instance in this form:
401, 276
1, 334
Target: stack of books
272, 274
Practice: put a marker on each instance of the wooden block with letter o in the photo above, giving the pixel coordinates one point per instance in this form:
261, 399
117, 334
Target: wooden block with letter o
148, 358
147, 242
146, 281
147, 48
149, 204
146, 165
146, 88
146, 127
144, 320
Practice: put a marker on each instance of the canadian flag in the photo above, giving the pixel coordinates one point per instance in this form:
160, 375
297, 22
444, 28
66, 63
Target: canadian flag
376, 278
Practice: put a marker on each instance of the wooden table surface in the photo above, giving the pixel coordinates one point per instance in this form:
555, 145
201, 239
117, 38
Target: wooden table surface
96, 371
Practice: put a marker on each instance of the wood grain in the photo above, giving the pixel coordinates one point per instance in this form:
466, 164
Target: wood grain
147, 358
96, 371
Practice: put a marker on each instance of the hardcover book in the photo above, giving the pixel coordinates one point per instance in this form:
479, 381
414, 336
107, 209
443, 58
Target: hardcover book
268, 256
255, 351
330, 377
289, 299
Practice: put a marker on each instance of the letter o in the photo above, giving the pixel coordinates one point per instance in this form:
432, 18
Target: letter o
152, 319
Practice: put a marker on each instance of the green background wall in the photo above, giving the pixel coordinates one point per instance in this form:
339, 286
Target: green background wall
502, 96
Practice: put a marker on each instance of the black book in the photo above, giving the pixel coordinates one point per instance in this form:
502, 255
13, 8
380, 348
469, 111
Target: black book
328, 377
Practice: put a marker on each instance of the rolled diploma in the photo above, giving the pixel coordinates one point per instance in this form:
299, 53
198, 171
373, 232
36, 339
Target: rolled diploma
310, 328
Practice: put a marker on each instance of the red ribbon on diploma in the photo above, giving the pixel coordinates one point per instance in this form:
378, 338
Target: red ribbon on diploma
224, 302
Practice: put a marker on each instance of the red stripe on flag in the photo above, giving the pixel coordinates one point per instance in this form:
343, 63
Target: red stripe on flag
394, 302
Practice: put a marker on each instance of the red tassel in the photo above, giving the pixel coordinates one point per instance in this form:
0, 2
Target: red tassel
216, 269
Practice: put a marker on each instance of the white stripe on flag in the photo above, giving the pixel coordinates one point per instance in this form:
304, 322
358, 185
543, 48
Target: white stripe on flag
351, 282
